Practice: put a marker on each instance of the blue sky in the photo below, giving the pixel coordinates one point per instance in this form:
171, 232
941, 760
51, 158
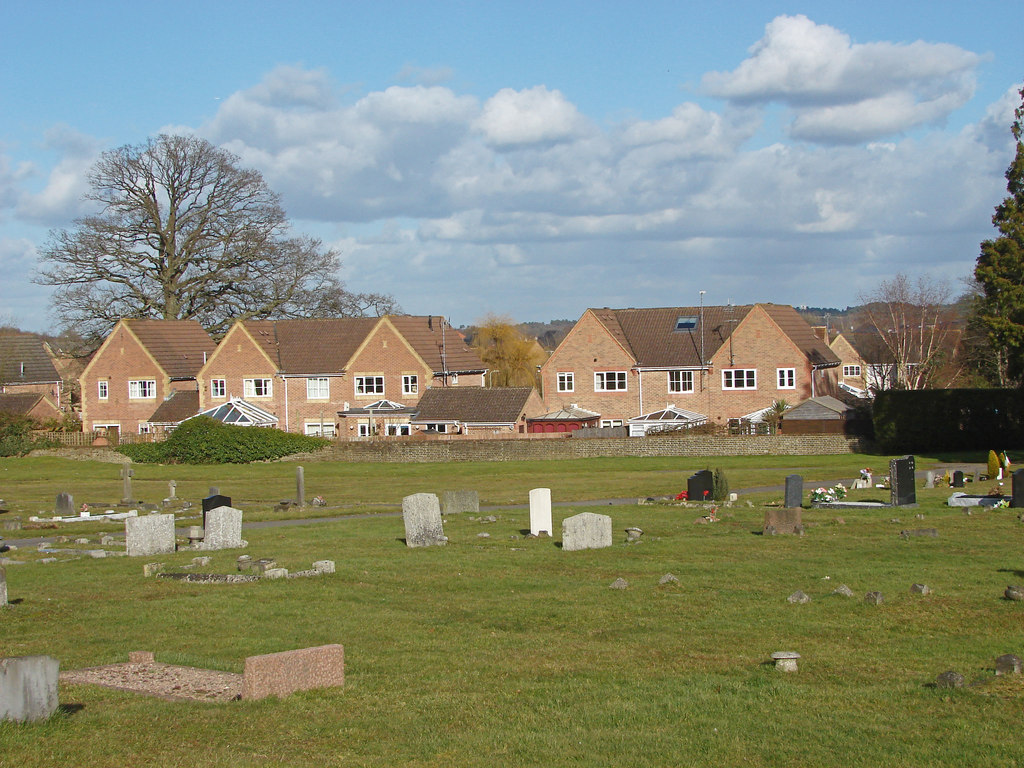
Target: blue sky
534, 159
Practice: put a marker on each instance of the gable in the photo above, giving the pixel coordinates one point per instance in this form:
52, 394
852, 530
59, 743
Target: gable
24, 360
799, 332
180, 347
440, 346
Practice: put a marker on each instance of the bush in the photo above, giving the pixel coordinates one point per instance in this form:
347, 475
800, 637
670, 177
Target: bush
993, 465
203, 440
16, 436
719, 485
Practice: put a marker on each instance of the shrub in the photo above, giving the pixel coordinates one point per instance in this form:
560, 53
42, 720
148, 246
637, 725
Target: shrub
719, 485
203, 440
993, 465
16, 436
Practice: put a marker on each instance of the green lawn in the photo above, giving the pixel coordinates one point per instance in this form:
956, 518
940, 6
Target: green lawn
508, 651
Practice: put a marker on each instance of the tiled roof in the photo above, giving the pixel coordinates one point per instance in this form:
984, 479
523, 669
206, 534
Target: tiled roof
798, 330
307, 346
23, 360
568, 413
870, 346
179, 346
175, 409
19, 403
442, 347
473, 405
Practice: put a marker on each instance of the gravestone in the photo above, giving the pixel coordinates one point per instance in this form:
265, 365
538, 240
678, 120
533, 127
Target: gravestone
213, 501
300, 486
3, 586
1018, 489
149, 535
586, 530
421, 513
457, 502
1008, 664
28, 688
127, 473
172, 489
540, 511
699, 485
222, 529
958, 479
929, 479
901, 480
794, 491
783, 521
279, 674
65, 506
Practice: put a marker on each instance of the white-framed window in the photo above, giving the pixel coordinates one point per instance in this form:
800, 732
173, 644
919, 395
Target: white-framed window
103, 389
454, 378
369, 385
410, 384
397, 430
258, 387
610, 381
852, 371
145, 428
318, 388
142, 389
739, 378
611, 422
786, 378
363, 430
320, 429
218, 388
441, 428
566, 381
680, 381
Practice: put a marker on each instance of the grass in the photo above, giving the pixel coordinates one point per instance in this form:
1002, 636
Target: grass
508, 651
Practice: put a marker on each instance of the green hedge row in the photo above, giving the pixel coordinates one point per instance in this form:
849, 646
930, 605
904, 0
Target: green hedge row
939, 420
203, 440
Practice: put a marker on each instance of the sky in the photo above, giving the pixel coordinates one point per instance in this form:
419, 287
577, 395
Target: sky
532, 159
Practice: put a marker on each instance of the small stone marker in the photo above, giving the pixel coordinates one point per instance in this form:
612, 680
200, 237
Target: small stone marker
798, 598
785, 661
1008, 664
540, 512
202, 562
783, 521
127, 473
300, 486
1014, 593
587, 530
843, 590
874, 598
65, 506
150, 569
958, 479
920, 589
931, 533
3, 586
172, 490
700, 485
668, 578
275, 573
794, 491
421, 513
949, 679
323, 566
141, 657
149, 535
1017, 500
901, 479
222, 528
619, 583
457, 502
279, 674
28, 688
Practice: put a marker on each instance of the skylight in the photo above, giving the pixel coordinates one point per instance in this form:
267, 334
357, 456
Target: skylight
686, 322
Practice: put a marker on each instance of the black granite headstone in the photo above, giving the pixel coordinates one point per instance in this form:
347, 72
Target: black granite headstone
794, 491
901, 481
215, 500
1018, 489
958, 479
700, 485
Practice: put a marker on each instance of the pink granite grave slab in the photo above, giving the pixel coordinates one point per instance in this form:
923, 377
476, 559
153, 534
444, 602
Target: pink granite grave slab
279, 674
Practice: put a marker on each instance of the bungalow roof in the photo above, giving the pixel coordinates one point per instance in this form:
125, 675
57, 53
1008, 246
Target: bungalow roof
473, 405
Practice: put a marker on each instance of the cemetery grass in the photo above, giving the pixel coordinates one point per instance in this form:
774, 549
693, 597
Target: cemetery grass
507, 651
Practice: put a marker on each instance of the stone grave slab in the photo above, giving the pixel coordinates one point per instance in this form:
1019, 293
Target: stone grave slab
279, 674
149, 535
540, 512
457, 502
421, 513
28, 688
972, 500
783, 521
587, 530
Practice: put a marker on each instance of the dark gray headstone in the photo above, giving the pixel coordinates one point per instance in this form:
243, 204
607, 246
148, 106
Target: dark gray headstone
213, 501
794, 491
958, 479
1018, 489
700, 485
901, 480
28, 688
65, 505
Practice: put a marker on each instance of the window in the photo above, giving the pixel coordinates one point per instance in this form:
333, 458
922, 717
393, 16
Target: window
318, 429
397, 429
787, 378
680, 381
610, 381
318, 389
218, 388
566, 382
441, 428
257, 387
145, 428
103, 389
410, 385
851, 370
363, 430
611, 422
142, 389
686, 322
369, 385
739, 378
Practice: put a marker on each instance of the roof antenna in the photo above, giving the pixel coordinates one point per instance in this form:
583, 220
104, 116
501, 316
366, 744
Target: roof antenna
702, 362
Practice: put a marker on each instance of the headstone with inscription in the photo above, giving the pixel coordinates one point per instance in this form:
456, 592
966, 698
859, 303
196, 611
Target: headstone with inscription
421, 513
28, 688
222, 528
127, 473
901, 479
958, 479
587, 530
149, 535
700, 485
794, 491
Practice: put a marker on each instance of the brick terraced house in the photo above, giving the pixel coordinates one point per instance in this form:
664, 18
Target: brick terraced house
27, 368
695, 364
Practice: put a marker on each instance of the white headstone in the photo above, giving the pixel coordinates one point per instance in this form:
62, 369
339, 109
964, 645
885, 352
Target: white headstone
149, 535
28, 688
540, 511
421, 513
223, 528
586, 530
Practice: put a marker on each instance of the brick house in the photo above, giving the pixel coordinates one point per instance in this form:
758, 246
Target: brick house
26, 367
33, 405
477, 411
867, 364
337, 376
138, 366
713, 363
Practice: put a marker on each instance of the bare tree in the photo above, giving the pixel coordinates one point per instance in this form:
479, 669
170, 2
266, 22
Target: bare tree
183, 232
916, 328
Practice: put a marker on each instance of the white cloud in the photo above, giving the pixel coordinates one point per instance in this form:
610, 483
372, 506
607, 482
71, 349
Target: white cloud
536, 115
60, 200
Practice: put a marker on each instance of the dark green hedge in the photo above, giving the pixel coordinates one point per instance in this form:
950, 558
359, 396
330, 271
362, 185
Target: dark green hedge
940, 420
203, 440
16, 436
